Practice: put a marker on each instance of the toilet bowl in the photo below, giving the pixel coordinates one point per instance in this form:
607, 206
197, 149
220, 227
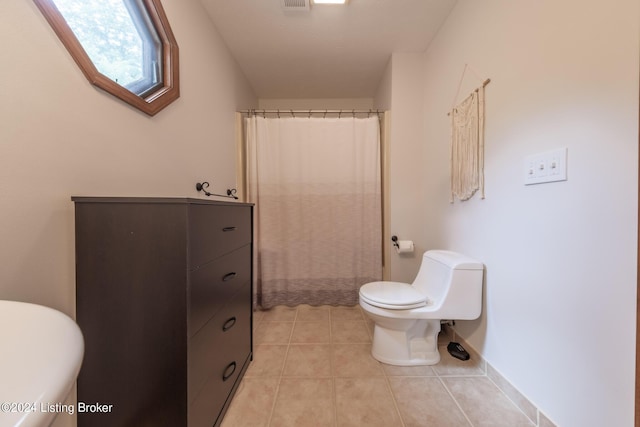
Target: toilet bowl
407, 316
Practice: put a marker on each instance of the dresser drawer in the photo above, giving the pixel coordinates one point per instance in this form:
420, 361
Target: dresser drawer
224, 340
214, 283
207, 408
214, 231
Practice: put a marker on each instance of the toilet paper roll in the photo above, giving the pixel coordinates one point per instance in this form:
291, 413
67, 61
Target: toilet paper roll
404, 246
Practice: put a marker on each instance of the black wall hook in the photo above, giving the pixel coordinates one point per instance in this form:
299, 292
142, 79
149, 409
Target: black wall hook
231, 192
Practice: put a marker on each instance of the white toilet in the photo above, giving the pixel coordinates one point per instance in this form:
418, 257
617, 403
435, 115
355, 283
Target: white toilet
407, 316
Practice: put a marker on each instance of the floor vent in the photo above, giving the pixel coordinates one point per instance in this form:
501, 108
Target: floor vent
296, 5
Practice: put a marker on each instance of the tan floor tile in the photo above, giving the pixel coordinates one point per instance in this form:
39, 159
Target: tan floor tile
311, 332
268, 361
484, 404
299, 378
304, 402
365, 402
354, 360
349, 331
257, 315
308, 360
307, 313
408, 371
252, 404
449, 365
513, 394
273, 333
426, 402
370, 325
346, 313
280, 313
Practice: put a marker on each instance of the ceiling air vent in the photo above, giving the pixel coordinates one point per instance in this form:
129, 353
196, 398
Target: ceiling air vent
296, 5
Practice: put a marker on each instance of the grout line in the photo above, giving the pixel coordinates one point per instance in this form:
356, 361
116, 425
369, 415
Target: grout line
284, 363
486, 364
455, 401
533, 423
393, 397
484, 367
460, 375
386, 376
333, 371
331, 336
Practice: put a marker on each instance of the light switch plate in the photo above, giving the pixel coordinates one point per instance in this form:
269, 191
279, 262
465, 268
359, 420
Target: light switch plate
546, 167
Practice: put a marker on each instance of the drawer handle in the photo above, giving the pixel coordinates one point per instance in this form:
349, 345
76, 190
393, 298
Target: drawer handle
228, 324
228, 371
229, 229
229, 276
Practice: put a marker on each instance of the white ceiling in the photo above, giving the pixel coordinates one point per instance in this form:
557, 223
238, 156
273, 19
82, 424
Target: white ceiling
329, 52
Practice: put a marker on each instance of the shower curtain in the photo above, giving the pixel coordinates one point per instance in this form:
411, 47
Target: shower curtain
316, 186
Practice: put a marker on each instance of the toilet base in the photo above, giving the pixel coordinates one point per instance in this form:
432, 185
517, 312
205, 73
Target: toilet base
418, 345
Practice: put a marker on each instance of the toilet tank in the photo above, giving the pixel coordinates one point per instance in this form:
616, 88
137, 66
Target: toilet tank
452, 283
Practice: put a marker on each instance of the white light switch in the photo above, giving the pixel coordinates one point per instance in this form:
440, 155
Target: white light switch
546, 167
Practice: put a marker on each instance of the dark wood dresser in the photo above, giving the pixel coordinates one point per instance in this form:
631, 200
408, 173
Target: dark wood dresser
163, 299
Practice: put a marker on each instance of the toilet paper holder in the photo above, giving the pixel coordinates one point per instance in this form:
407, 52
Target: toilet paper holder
402, 246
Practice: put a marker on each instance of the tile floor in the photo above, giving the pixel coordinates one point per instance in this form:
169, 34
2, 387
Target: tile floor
312, 367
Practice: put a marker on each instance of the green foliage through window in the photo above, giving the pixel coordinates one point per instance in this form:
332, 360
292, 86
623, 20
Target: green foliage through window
125, 47
117, 39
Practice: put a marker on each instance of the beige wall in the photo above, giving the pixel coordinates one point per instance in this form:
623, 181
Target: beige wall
382, 98
316, 104
60, 136
559, 312
400, 92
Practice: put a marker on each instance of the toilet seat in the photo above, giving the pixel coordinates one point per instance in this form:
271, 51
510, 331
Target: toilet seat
392, 295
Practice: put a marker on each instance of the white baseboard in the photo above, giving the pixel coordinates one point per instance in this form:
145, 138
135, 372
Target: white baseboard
529, 409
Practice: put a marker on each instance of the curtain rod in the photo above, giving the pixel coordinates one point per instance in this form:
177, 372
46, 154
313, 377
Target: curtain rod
280, 113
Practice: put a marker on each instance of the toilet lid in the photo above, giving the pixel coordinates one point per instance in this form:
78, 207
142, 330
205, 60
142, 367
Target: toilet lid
394, 295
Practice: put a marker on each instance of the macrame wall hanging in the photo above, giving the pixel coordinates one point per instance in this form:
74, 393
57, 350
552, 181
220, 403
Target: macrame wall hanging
467, 144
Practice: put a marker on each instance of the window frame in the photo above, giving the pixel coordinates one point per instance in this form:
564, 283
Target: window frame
154, 100
142, 22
